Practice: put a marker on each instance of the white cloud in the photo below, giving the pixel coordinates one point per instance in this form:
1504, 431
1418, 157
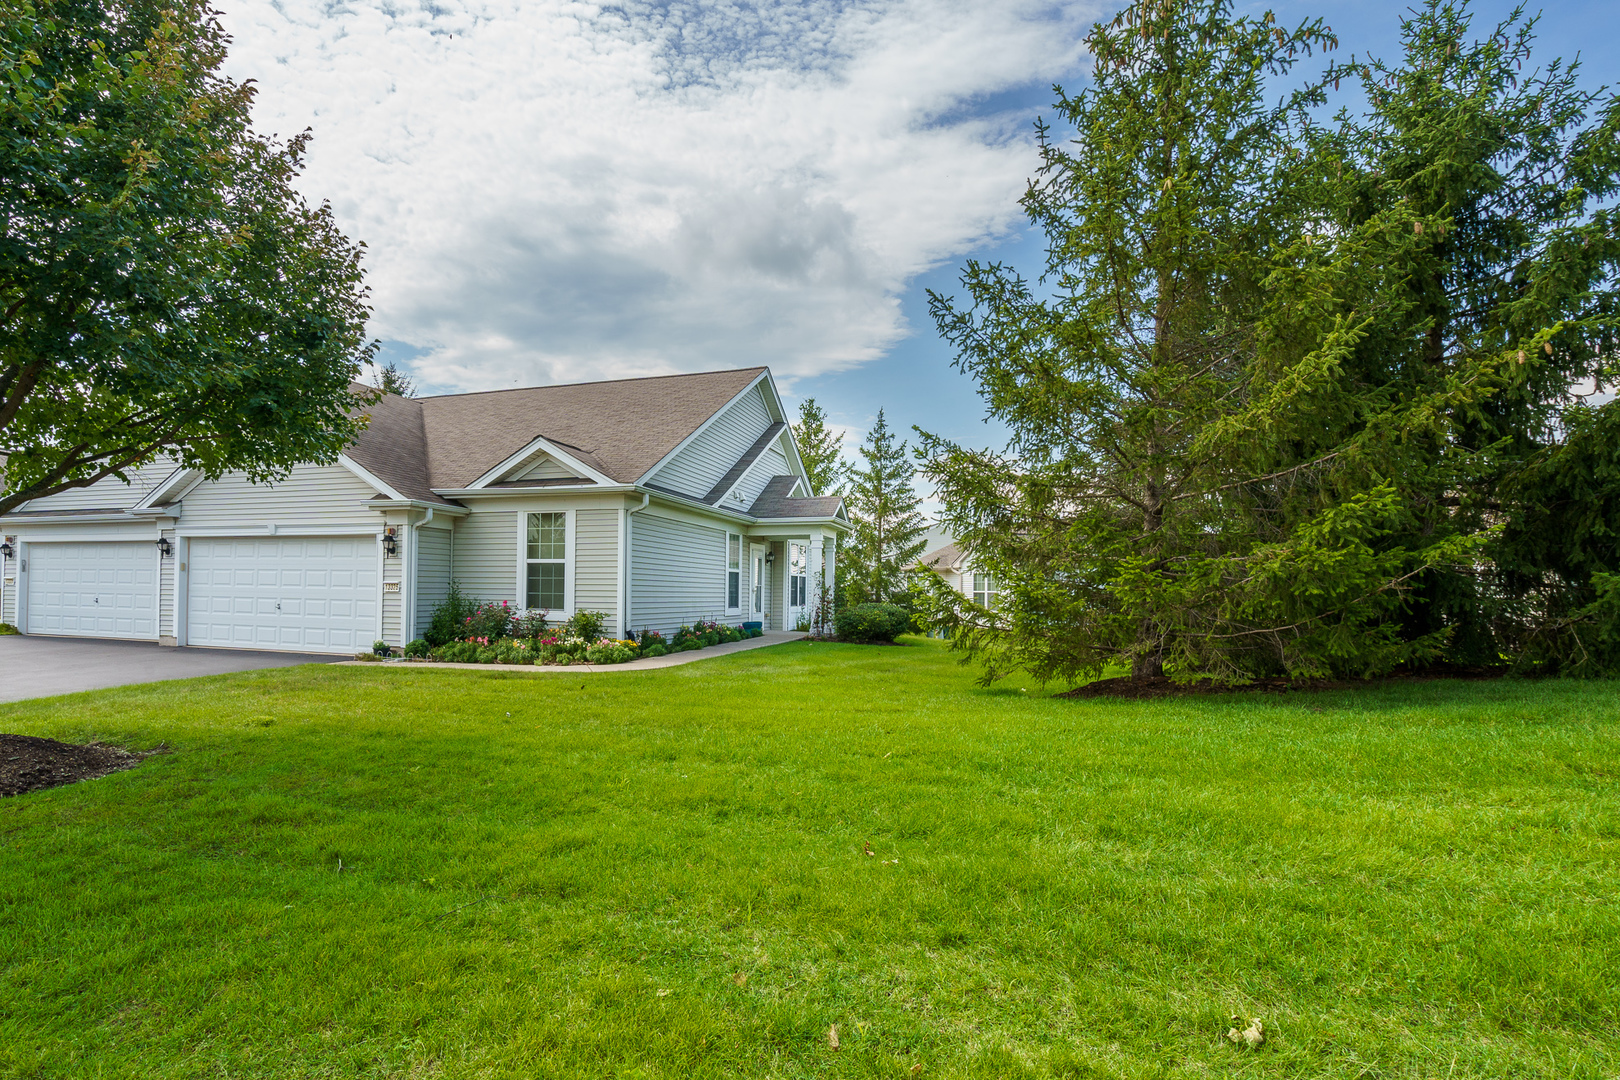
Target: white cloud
555, 190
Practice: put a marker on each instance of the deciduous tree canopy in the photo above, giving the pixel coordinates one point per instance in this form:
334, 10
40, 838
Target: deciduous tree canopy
164, 290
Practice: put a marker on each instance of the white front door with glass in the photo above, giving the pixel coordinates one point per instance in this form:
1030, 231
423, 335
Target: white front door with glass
798, 586
756, 605
545, 562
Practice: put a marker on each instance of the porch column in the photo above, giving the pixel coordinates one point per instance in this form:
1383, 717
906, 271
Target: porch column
813, 580
832, 568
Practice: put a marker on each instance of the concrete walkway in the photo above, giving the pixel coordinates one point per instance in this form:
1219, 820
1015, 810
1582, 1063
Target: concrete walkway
32, 666
771, 637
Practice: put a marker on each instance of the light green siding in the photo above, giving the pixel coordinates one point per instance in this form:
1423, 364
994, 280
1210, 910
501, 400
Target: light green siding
677, 571
432, 573
596, 563
701, 464
486, 556
109, 494
312, 496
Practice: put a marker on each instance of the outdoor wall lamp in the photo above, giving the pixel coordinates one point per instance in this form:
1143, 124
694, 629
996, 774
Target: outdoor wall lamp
5, 549
770, 556
165, 549
390, 543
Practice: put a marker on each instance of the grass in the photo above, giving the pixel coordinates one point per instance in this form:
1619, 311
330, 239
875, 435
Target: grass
663, 874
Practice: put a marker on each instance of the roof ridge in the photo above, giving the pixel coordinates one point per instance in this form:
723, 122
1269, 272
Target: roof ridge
594, 382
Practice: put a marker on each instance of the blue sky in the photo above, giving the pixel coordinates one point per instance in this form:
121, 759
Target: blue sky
914, 381
560, 190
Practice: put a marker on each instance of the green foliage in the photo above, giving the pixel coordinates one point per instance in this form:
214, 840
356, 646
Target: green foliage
888, 530
862, 623
819, 449
610, 652
381, 648
1208, 473
656, 649
449, 621
1559, 555
164, 288
417, 649
391, 380
586, 624
1515, 168
6, 629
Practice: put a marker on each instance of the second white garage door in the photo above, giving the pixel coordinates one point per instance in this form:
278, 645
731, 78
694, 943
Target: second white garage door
295, 594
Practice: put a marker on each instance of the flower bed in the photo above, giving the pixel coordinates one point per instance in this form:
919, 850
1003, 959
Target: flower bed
478, 633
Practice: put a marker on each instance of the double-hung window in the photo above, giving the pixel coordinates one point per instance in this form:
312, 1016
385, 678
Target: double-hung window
545, 562
733, 572
798, 575
984, 590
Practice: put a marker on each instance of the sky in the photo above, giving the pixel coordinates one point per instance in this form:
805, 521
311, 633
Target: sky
559, 191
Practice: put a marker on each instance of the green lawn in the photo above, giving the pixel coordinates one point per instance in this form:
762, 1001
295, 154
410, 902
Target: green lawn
569, 876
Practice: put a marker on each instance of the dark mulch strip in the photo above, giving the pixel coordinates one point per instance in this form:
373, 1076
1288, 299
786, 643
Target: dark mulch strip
1160, 686
28, 763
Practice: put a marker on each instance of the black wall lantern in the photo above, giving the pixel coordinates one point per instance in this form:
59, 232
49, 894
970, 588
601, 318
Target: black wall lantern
770, 556
165, 549
390, 543
5, 549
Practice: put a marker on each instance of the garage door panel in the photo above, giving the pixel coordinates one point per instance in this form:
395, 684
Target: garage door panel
93, 589
295, 594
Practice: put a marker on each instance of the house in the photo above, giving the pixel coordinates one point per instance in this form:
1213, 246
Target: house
953, 564
658, 501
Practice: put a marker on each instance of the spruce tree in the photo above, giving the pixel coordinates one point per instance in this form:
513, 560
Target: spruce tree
819, 449
1197, 481
889, 529
1519, 166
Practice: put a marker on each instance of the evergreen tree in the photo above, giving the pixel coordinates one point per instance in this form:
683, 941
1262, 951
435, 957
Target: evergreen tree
1198, 482
1516, 162
889, 529
391, 380
819, 449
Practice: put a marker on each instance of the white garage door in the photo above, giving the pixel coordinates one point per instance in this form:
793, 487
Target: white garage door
303, 594
93, 590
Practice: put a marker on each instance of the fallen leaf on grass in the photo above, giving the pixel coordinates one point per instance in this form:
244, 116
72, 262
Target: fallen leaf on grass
1251, 1036
916, 1070
832, 1036
866, 846
663, 993
740, 978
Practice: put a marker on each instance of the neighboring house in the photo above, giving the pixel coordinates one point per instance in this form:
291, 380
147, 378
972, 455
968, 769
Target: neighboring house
952, 563
658, 501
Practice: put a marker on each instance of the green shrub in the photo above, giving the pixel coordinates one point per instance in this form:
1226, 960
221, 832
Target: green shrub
515, 652
458, 652
417, 649
609, 652
871, 622
586, 624
449, 622
655, 650
6, 629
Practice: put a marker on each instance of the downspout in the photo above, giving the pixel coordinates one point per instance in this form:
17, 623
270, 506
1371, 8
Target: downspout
407, 614
624, 563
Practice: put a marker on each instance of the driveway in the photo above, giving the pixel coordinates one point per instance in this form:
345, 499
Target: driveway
40, 666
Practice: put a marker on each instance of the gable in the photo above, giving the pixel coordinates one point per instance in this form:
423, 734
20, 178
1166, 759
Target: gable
545, 467
110, 493
772, 462
703, 461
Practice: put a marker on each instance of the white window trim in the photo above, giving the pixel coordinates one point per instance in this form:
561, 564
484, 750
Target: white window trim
520, 591
725, 556
990, 593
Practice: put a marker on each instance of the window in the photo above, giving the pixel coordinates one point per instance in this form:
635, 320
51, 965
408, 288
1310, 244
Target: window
984, 590
759, 583
545, 559
733, 571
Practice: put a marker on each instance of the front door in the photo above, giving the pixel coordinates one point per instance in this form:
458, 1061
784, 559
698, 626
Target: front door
798, 579
757, 554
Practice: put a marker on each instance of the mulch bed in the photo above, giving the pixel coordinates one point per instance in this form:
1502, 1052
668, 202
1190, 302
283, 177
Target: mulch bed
1160, 686
28, 763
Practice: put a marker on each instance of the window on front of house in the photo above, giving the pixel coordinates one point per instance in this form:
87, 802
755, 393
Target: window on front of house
545, 559
733, 571
984, 590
